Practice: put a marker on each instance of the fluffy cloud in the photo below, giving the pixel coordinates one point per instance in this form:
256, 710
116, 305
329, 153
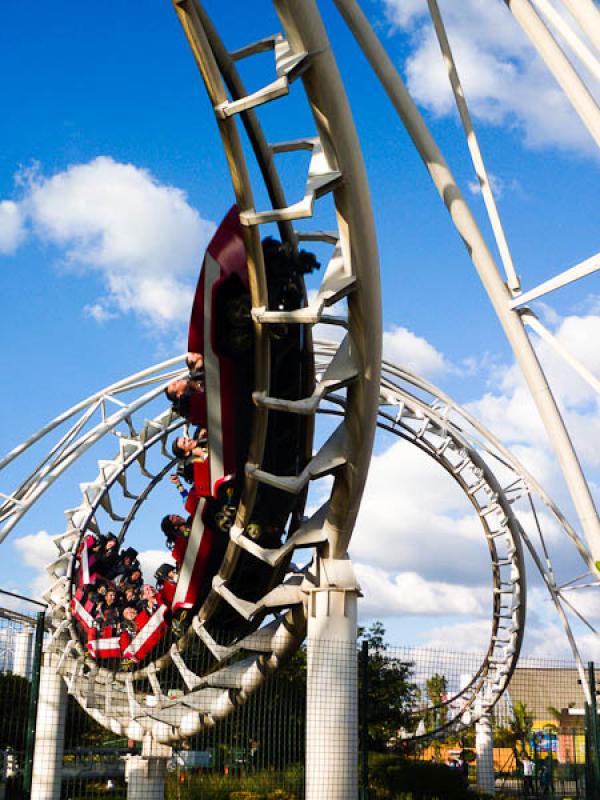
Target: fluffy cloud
37, 550
418, 545
414, 518
12, 226
410, 593
98, 312
466, 637
400, 345
544, 639
117, 221
505, 81
150, 560
509, 410
413, 352
498, 185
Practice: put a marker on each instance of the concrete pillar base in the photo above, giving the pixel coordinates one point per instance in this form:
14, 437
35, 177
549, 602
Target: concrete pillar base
50, 733
484, 746
146, 774
145, 778
332, 688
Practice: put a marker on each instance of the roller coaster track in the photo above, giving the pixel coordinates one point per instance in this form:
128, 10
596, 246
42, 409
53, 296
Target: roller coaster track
409, 407
349, 387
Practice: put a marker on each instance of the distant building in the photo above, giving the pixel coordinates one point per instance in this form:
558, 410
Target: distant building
544, 688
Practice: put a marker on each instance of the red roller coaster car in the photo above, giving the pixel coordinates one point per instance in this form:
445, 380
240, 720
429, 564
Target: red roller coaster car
221, 329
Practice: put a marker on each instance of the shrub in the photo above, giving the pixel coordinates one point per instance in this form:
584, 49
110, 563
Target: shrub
391, 776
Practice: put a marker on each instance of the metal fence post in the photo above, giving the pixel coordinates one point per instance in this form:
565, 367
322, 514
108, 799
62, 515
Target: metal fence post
364, 710
575, 767
33, 702
594, 771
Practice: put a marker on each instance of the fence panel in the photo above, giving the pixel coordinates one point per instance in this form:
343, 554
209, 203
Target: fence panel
19, 661
545, 739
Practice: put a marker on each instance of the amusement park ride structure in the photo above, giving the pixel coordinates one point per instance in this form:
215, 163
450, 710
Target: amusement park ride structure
350, 385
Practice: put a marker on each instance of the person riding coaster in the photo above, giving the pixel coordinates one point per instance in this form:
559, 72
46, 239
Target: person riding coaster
221, 364
213, 459
152, 625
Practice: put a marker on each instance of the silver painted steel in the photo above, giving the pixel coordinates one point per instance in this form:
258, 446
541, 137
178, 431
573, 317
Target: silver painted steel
490, 276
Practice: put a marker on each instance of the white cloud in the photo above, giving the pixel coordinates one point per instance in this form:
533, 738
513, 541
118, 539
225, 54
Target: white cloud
545, 638
509, 410
12, 226
414, 518
400, 345
98, 312
418, 545
150, 560
466, 637
410, 593
37, 549
505, 81
498, 185
580, 336
116, 220
413, 352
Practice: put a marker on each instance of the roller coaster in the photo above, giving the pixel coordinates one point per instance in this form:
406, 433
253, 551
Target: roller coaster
263, 383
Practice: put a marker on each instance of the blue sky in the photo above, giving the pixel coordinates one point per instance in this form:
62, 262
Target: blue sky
112, 178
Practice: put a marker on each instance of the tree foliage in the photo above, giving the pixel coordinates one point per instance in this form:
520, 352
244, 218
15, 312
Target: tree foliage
80, 728
391, 692
14, 705
437, 690
517, 733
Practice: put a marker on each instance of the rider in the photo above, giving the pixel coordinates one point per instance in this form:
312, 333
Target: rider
177, 532
185, 447
166, 582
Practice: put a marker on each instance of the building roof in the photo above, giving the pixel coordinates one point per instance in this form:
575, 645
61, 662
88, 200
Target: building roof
541, 687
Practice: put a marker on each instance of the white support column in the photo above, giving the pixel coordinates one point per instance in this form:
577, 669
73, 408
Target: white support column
50, 733
484, 747
146, 774
332, 688
23, 653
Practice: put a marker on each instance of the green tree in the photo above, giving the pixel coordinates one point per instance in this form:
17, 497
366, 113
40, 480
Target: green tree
80, 728
519, 730
14, 705
437, 690
391, 692
268, 732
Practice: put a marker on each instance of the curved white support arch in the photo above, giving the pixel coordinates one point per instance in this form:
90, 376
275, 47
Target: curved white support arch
410, 407
303, 54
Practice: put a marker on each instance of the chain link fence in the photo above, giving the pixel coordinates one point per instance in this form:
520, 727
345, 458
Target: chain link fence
540, 739
21, 640
544, 734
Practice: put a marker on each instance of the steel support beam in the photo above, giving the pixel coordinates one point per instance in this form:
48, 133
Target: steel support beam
486, 267
558, 64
